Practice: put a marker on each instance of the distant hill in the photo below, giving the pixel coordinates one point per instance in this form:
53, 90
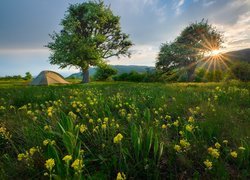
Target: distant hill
240, 55
120, 68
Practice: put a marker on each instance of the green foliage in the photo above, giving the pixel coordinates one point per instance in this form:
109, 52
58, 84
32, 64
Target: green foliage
27, 76
133, 76
90, 34
188, 48
104, 72
16, 77
241, 71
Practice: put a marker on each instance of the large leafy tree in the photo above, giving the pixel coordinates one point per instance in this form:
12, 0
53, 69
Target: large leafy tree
189, 48
91, 33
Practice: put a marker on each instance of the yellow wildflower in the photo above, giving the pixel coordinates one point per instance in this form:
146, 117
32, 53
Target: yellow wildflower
49, 111
48, 141
184, 143
104, 126
83, 128
225, 141
45, 142
21, 156
167, 117
106, 119
91, 121
117, 126
52, 142
29, 113
242, 148
72, 115
217, 145
189, 128
176, 123
67, 158
214, 152
49, 164
164, 126
99, 120
191, 119
208, 164
77, 165
181, 133
120, 176
234, 154
177, 148
33, 150
81, 151
118, 138
47, 127
4, 132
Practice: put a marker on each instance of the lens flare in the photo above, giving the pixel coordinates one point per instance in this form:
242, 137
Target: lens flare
215, 52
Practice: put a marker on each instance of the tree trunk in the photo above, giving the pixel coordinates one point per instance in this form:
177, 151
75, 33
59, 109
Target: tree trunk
85, 75
190, 73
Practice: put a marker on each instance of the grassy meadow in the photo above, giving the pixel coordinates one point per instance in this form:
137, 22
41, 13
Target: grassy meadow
119, 130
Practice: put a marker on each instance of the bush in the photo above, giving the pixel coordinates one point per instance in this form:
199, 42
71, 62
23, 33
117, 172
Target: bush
27, 76
133, 76
104, 72
241, 71
15, 77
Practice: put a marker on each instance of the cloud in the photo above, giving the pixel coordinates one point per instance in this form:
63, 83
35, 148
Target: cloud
208, 3
237, 36
141, 55
177, 6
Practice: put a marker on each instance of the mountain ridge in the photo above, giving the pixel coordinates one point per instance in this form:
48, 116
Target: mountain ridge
120, 68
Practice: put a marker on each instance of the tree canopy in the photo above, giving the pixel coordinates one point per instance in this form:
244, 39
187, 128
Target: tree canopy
91, 33
189, 48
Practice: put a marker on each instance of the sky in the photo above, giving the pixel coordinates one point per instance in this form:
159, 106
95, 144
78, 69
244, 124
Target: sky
25, 26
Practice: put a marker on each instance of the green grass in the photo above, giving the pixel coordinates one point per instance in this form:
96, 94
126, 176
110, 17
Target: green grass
83, 121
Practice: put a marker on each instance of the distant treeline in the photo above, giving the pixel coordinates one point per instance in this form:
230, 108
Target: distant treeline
239, 71
27, 76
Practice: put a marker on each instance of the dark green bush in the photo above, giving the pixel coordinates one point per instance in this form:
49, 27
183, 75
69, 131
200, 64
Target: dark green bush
104, 72
241, 71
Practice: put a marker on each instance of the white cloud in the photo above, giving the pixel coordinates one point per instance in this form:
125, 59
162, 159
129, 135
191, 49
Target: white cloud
237, 36
208, 3
178, 6
141, 55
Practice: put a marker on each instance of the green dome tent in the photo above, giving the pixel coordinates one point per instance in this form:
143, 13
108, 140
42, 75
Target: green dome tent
48, 78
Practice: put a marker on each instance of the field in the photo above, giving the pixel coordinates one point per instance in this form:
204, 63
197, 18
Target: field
125, 130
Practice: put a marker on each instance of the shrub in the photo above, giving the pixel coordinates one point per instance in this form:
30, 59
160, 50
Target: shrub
104, 72
241, 71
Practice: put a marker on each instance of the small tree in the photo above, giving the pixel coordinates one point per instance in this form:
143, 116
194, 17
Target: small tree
91, 33
104, 72
27, 76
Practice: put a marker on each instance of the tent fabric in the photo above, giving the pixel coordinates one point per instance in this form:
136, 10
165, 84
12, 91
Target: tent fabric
48, 78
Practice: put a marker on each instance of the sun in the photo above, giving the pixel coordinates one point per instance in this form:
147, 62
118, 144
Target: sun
215, 52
